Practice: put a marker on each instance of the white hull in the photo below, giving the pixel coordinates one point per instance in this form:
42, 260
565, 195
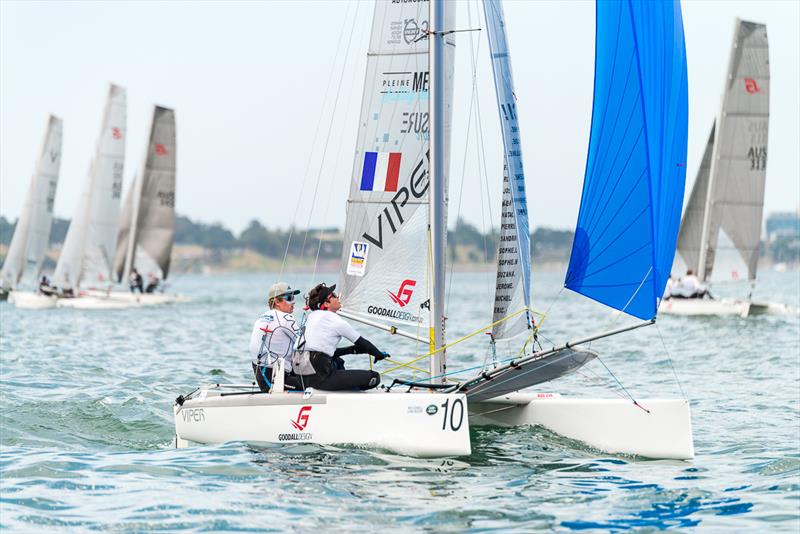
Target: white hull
431, 425
85, 302
615, 426
415, 424
138, 299
742, 308
30, 300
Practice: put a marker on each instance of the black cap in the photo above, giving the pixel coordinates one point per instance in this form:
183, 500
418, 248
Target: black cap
318, 295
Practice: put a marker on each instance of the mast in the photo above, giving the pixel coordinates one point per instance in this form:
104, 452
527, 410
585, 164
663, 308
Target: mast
131, 249
712, 173
437, 200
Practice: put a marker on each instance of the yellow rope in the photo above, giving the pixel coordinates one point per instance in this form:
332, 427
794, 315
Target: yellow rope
464, 338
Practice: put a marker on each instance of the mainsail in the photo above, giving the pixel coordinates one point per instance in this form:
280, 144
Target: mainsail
386, 276
635, 168
513, 284
32, 233
148, 215
91, 239
733, 202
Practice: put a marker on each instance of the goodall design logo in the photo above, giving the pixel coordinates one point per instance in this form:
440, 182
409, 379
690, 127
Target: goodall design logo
403, 295
302, 418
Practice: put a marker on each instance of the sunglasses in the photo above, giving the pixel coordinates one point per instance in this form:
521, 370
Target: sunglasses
332, 296
287, 298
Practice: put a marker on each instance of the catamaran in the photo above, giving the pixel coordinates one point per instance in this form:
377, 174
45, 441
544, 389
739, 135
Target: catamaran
722, 222
32, 233
393, 268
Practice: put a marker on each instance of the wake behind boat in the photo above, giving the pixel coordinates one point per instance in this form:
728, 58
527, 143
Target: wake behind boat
393, 273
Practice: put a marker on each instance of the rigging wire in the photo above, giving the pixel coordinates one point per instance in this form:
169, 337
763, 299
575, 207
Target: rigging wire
338, 161
473, 97
327, 139
669, 359
314, 142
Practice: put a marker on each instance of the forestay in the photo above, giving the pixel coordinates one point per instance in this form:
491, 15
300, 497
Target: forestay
513, 284
32, 233
635, 168
385, 268
91, 240
148, 215
734, 197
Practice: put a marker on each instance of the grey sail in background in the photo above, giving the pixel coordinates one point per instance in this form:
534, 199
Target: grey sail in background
32, 233
148, 216
735, 199
691, 233
91, 239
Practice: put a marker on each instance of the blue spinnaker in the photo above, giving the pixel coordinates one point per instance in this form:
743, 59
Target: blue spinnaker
513, 287
635, 168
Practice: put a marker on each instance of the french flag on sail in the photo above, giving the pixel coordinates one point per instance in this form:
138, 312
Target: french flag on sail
381, 171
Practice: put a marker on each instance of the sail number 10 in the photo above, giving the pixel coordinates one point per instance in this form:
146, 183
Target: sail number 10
455, 413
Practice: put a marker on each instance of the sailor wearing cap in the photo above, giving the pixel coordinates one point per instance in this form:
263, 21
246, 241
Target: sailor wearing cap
273, 337
323, 332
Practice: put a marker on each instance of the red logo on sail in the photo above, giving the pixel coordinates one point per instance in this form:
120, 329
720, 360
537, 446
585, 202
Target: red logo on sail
403, 295
161, 150
302, 418
116, 133
751, 86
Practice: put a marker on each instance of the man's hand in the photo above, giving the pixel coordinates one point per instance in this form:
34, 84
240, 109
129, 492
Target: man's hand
383, 356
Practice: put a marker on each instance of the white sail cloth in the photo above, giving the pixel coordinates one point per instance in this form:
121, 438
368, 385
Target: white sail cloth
385, 267
513, 282
148, 215
32, 233
91, 240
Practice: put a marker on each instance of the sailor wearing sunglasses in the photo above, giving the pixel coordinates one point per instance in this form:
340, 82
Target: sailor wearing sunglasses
273, 337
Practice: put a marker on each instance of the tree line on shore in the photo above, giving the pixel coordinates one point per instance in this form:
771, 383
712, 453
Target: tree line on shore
465, 241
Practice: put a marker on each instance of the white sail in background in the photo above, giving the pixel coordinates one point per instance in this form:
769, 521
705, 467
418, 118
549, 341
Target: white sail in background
91, 240
32, 233
513, 282
385, 268
734, 201
147, 223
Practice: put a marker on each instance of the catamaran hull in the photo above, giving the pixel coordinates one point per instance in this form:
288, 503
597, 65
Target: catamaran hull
415, 424
742, 308
660, 428
30, 300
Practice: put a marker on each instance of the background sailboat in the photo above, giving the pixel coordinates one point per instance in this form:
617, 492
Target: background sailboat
147, 222
721, 229
23, 263
85, 260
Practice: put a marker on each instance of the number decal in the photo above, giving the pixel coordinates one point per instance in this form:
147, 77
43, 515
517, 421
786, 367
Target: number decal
455, 426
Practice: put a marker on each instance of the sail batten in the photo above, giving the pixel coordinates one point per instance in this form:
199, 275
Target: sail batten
635, 167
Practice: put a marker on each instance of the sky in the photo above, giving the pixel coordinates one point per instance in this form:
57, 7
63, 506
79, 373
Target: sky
261, 131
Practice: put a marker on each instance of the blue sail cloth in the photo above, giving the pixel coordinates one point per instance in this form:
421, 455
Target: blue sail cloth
635, 168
